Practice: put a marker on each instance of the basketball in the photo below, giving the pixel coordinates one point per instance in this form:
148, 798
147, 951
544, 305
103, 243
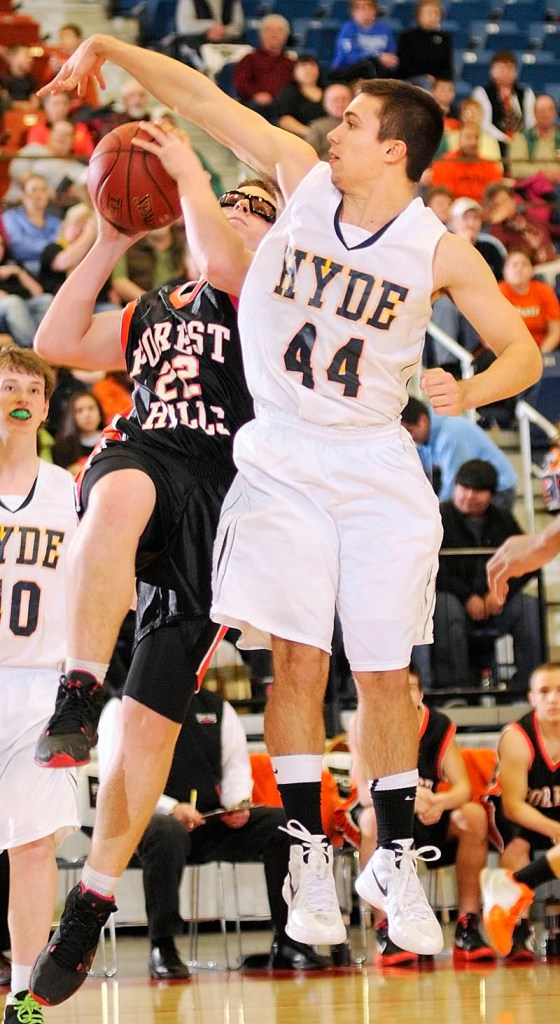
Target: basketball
130, 188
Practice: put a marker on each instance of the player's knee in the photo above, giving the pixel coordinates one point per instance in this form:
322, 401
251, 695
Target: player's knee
472, 820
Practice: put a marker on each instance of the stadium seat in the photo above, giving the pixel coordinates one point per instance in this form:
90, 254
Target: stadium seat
536, 69
320, 39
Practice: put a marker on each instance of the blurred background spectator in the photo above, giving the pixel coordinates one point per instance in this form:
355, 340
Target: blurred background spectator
336, 98
300, 102
28, 227
425, 52
261, 75
365, 47
79, 431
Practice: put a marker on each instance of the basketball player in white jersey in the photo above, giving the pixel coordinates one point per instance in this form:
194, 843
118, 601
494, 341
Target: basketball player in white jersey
331, 508
37, 520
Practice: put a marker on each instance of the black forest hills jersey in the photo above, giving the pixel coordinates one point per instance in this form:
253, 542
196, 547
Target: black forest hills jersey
183, 353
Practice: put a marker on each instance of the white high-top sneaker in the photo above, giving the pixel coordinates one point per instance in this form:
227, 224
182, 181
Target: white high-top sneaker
390, 882
309, 890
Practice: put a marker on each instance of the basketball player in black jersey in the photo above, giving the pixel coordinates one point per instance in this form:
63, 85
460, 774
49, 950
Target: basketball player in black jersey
150, 501
528, 805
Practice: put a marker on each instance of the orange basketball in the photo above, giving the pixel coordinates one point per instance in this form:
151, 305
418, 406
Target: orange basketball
130, 188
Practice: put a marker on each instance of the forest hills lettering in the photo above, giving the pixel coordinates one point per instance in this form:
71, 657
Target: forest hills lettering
32, 545
173, 351
367, 299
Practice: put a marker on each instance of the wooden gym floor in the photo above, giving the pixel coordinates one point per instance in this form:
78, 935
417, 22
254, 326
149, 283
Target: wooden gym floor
491, 994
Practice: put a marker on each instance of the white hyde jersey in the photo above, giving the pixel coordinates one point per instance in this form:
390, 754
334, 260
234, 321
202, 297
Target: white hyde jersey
34, 543
333, 334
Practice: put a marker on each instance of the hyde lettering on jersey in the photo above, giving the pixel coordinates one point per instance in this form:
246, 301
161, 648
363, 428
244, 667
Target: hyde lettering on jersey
367, 300
32, 545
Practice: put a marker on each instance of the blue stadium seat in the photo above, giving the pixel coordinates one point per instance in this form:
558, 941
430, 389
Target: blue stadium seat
256, 8
553, 89
537, 69
320, 39
509, 36
292, 9
550, 41
339, 10
475, 67
465, 11
405, 11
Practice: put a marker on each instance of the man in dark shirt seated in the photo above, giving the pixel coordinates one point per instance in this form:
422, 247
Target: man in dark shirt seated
262, 74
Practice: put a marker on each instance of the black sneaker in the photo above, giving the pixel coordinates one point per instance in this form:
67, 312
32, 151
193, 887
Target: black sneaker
288, 955
72, 729
469, 945
62, 967
22, 1009
387, 953
523, 949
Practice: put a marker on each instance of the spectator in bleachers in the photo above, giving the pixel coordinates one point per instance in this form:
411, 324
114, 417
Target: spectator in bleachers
70, 36
17, 85
445, 816
443, 91
465, 220
535, 301
508, 107
77, 233
113, 392
57, 108
154, 260
64, 174
444, 443
470, 112
79, 431
538, 148
439, 198
463, 602
210, 21
336, 98
23, 303
516, 228
28, 228
261, 75
365, 47
463, 170
301, 101
425, 52
133, 104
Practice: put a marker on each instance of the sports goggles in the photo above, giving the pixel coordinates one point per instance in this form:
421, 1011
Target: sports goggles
257, 205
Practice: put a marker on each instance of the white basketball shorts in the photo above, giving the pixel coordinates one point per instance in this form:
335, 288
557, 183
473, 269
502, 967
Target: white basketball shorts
320, 518
36, 802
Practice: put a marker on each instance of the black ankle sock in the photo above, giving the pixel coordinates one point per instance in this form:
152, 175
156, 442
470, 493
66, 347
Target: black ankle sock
302, 801
535, 874
394, 811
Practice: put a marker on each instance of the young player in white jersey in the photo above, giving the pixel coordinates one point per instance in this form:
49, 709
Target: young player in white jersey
37, 520
330, 509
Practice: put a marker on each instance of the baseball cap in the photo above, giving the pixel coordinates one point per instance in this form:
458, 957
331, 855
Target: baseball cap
463, 205
478, 474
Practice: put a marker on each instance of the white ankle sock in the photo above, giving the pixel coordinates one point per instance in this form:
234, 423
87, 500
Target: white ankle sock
95, 668
104, 885
21, 974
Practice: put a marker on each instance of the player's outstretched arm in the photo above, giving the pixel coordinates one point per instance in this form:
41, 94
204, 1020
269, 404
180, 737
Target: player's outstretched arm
253, 140
70, 333
461, 270
519, 555
217, 248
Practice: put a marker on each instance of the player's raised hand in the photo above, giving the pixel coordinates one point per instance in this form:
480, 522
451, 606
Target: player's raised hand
111, 235
172, 146
85, 63
443, 392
